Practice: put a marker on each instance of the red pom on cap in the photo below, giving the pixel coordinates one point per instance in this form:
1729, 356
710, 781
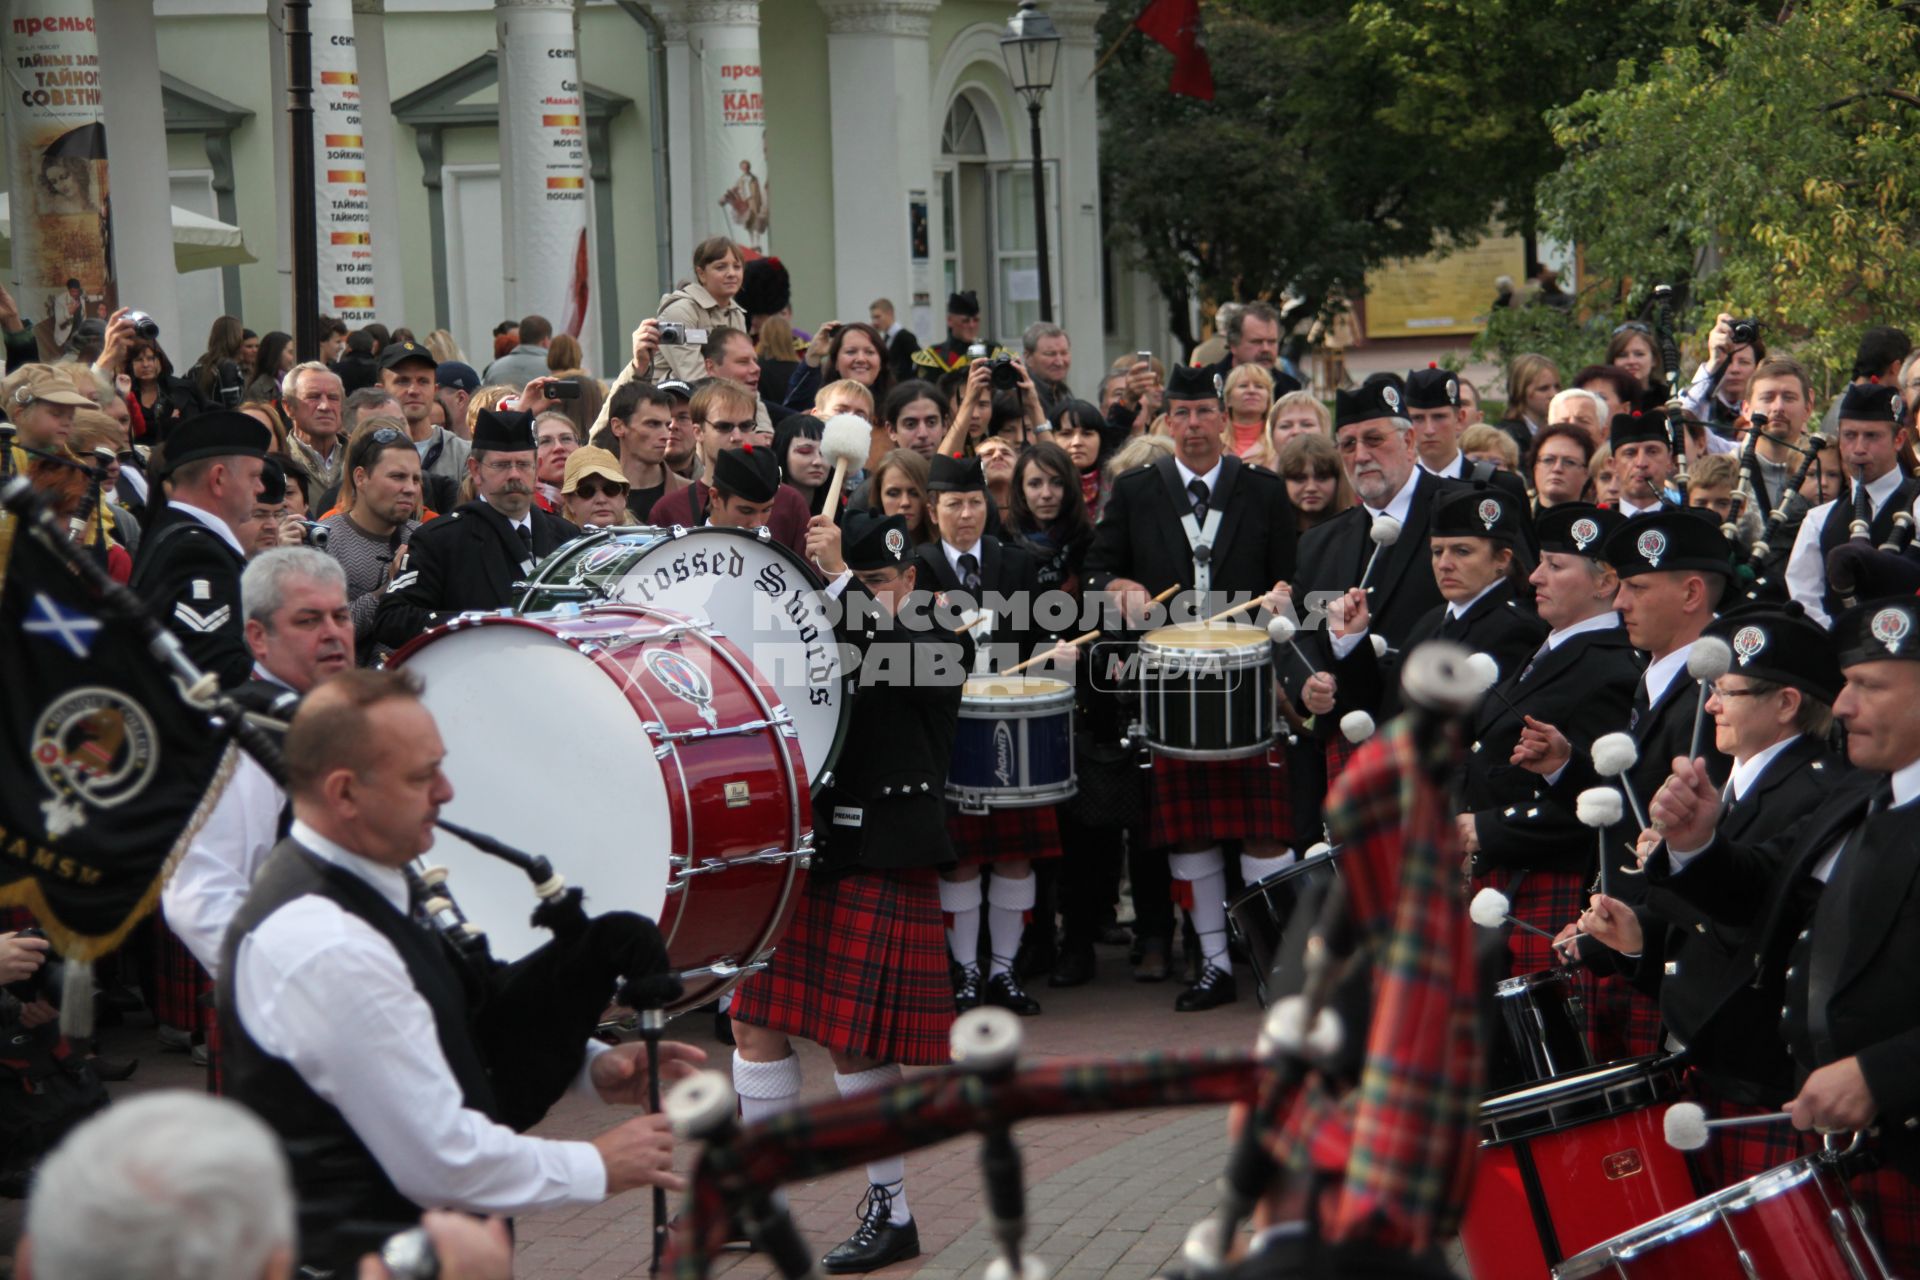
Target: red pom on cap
747, 447
1433, 364
1875, 379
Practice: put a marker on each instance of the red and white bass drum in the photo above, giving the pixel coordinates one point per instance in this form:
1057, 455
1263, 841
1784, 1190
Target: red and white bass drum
641, 753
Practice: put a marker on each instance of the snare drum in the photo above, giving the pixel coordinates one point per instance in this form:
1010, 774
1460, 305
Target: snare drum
1013, 748
1264, 911
754, 591
640, 753
1579, 1160
1795, 1222
1206, 692
1545, 1026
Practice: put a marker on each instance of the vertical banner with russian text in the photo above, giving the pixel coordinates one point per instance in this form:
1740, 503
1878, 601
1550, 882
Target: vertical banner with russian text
59, 205
543, 180
736, 141
345, 221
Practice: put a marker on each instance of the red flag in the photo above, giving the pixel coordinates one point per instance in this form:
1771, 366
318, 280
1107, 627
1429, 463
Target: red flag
1175, 24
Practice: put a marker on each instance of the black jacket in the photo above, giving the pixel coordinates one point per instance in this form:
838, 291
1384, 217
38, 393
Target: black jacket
189, 576
885, 805
468, 559
1730, 1027
1401, 591
1140, 535
1584, 688
1006, 571
1497, 624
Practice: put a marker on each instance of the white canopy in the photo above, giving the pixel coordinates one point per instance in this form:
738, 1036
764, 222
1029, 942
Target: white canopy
198, 241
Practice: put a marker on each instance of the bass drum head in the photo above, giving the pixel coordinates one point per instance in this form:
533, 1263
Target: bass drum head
517, 752
769, 603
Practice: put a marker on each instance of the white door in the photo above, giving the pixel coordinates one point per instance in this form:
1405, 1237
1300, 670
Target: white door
200, 295
476, 280
1016, 259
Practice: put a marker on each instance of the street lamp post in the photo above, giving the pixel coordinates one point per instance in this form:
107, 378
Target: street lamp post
1031, 47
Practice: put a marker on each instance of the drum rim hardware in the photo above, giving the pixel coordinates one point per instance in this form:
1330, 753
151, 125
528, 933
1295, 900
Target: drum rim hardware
1613, 1089
770, 856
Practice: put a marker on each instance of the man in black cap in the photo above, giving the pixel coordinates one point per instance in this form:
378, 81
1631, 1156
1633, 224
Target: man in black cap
1432, 399
471, 557
746, 481
862, 970
1872, 428
1673, 568
1829, 905
963, 330
1772, 712
975, 570
1205, 522
191, 557
407, 372
1642, 462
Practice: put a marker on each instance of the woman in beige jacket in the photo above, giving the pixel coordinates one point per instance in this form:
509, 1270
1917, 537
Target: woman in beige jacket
707, 303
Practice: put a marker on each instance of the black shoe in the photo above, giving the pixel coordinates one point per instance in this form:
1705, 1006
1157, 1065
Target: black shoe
1003, 989
1151, 963
1036, 958
876, 1242
966, 991
113, 1070
1213, 988
1073, 969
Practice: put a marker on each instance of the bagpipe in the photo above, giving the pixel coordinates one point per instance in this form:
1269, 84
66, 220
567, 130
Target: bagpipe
532, 1017
1308, 1039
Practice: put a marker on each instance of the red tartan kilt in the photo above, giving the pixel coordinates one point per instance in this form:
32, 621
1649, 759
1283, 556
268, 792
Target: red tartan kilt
1001, 835
1744, 1151
178, 982
1339, 751
1892, 1204
1205, 802
1549, 900
862, 969
1622, 1020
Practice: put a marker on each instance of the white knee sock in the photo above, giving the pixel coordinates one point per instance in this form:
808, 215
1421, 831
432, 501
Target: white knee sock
1008, 901
765, 1088
960, 899
1205, 873
890, 1173
1253, 869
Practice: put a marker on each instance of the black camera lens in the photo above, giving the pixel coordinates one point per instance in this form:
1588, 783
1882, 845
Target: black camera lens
1746, 332
1002, 374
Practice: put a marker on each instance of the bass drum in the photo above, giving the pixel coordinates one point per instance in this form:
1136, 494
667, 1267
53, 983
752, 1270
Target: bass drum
639, 752
751, 589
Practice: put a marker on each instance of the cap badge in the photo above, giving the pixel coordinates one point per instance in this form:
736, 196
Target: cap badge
1453, 390
1890, 627
1651, 546
1748, 642
1584, 531
1489, 512
896, 543
1391, 397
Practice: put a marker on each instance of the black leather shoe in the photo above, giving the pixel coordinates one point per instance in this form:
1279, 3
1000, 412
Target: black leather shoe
1151, 964
1003, 989
967, 990
1213, 988
876, 1242
1073, 969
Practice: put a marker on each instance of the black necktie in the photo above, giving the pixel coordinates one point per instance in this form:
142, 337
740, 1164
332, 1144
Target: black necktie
1197, 488
1534, 661
526, 536
1641, 705
969, 572
1862, 504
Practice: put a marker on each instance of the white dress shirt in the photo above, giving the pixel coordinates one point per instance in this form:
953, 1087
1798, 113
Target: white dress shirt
1806, 567
1598, 622
210, 520
1211, 479
1460, 610
1662, 672
1629, 510
326, 993
953, 559
1455, 470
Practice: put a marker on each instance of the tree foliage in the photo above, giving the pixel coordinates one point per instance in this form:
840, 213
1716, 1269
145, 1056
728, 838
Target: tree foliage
1770, 169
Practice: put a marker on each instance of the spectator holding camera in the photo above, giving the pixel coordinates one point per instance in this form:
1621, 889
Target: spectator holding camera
854, 351
706, 303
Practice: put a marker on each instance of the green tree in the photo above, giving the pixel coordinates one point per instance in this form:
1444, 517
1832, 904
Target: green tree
1769, 169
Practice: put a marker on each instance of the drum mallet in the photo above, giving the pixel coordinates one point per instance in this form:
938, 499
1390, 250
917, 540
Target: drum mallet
1686, 1124
1384, 533
844, 442
1491, 908
986, 1042
1281, 630
702, 1107
1599, 808
1613, 755
1082, 638
1356, 727
1707, 661
1483, 667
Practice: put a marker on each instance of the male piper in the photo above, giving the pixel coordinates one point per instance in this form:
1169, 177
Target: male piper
1873, 426
471, 557
1219, 528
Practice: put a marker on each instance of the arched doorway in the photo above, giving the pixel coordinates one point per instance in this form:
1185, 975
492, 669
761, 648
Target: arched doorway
965, 246
986, 206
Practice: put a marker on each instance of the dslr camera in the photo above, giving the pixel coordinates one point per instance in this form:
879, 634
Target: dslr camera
1745, 332
144, 325
1002, 373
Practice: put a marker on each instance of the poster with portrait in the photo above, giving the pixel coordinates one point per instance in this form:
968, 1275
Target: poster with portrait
736, 140
59, 203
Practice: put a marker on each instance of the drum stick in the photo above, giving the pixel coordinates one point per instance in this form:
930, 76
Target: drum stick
1224, 614
1707, 661
1080, 639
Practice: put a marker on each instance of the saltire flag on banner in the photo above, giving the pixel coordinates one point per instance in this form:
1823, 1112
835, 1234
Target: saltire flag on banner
105, 771
1175, 25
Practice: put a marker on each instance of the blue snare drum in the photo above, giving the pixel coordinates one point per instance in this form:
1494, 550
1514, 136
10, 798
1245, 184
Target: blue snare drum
1013, 748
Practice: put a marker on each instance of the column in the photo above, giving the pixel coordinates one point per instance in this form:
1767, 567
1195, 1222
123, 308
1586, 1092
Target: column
543, 164
716, 130
343, 231
383, 191
1071, 127
877, 53
137, 141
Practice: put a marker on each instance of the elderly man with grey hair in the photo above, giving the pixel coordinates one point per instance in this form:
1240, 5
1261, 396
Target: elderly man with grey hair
1049, 357
313, 394
299, 627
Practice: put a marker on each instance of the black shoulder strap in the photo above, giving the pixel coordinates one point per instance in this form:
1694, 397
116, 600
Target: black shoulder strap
1482, 474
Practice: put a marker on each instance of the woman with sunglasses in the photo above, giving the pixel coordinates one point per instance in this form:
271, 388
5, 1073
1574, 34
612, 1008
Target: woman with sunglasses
594, 489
